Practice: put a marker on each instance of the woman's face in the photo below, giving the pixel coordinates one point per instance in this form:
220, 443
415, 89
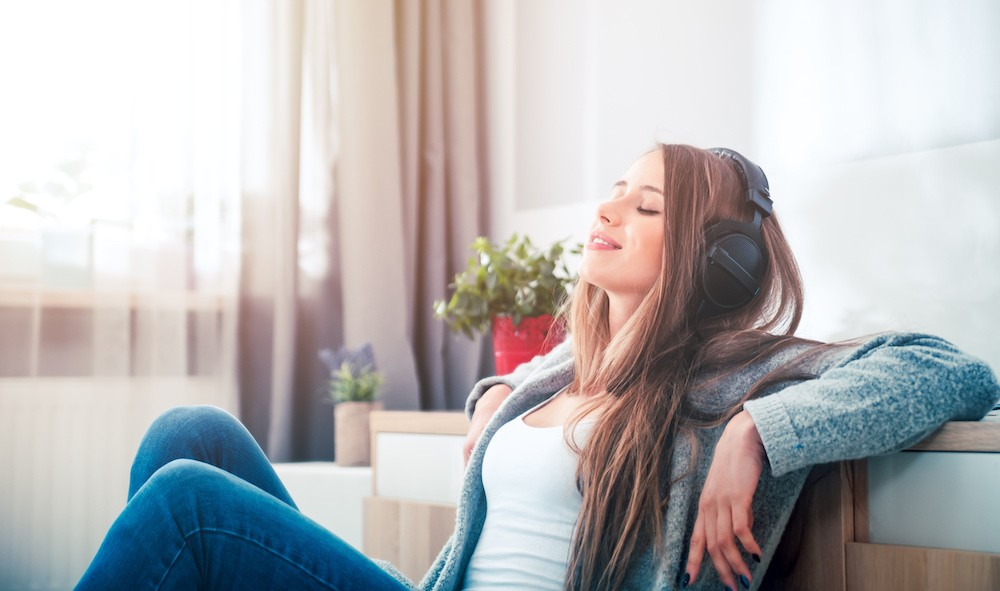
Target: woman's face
623, 252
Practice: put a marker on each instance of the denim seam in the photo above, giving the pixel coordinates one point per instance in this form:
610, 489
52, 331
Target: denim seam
242, 537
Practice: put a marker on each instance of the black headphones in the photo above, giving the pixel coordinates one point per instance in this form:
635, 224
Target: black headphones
735, 255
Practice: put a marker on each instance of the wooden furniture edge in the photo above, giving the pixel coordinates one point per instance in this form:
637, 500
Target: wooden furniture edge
426, 422
974, 436
887, 567
408, 502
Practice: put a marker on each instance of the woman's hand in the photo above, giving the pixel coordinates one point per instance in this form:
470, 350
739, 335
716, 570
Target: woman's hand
486, 407
724, 509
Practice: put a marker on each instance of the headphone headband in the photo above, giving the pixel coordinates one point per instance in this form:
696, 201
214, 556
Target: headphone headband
758, 193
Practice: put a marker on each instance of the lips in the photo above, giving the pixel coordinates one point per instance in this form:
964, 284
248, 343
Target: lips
601, 241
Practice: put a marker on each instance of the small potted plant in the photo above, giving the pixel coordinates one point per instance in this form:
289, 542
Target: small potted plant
353, 387
515, 289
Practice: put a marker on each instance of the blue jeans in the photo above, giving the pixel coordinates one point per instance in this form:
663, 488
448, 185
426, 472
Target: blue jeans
206, 511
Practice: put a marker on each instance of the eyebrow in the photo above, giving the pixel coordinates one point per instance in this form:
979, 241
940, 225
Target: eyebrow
644, 187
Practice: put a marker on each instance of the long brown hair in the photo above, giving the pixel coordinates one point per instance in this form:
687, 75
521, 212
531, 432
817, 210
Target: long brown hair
639, 377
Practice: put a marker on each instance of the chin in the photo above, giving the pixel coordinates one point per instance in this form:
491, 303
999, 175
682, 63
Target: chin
586, 276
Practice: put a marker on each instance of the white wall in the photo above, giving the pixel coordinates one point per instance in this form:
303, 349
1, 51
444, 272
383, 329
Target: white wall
875, 121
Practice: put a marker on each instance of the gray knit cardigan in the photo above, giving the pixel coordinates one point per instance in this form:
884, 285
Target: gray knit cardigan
877, 397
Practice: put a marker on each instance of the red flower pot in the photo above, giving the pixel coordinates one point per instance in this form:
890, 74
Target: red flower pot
514, 345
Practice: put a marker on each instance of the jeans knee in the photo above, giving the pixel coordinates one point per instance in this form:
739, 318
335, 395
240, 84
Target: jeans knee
187, 417
193, 423
181, 473
180, 482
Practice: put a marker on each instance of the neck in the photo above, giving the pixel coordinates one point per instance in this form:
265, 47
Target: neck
620, 309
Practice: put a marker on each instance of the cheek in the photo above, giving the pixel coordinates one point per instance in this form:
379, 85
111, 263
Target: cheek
653, 259
652, 246
652, 265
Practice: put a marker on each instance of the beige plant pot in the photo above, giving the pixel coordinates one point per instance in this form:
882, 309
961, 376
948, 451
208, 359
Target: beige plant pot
351, 434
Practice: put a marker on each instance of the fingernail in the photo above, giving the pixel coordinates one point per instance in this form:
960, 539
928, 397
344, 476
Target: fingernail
745, 581
756, 558
685, 580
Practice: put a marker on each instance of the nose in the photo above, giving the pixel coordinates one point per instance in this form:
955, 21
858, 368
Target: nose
608, 213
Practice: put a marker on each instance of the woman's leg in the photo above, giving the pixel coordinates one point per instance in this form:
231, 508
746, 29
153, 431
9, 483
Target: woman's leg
195, 526
206, 434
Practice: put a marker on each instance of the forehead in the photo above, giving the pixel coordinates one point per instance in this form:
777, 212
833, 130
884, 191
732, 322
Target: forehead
647, 170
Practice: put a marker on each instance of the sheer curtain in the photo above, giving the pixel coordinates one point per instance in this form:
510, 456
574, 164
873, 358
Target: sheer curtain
120, 184
120, 191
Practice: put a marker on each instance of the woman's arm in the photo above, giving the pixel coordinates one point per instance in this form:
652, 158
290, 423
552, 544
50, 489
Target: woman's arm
486, 407
513, 379
489, 393
882, 397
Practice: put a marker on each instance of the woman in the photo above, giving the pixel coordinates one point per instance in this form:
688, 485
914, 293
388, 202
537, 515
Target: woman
662, 446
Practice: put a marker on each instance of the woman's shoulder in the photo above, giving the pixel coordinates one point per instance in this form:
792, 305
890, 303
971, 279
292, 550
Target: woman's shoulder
918, 347
892, 360
814, 356
760, 363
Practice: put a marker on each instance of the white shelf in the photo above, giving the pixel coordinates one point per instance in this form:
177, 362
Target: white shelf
330, 495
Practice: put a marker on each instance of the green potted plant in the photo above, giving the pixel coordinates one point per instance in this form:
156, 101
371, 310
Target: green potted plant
353, 387
515, 290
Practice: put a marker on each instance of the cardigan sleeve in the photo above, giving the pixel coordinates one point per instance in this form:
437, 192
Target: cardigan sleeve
515, 378
883, 396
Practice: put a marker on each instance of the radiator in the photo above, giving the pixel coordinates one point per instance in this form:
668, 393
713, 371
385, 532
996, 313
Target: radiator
66, 445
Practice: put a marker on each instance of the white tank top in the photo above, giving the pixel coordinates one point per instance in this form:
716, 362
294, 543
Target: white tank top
532, 505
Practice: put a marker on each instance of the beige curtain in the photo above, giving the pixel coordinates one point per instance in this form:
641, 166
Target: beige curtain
290, 290
439, 73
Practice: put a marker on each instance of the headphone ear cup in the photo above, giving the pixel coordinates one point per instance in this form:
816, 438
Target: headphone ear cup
736, 254
734, 266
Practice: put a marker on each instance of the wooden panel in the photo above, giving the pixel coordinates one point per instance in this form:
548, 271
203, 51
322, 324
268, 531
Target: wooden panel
810, 555
858, 482
963, 436
407, 534
435, 423
882, 567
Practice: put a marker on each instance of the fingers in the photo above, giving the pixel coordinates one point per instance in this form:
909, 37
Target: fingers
742, 526
716, 530
696, 553
725, 556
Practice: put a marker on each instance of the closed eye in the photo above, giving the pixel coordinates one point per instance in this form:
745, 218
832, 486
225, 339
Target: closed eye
644, 211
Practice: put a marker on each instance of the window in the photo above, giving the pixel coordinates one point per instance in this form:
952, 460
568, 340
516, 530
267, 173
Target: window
119, 188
